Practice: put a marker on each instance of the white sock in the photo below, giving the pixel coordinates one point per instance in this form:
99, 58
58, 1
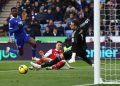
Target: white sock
72, 58
67, 65
35, 65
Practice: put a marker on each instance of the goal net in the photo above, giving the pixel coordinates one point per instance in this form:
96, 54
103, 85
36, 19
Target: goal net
107, 70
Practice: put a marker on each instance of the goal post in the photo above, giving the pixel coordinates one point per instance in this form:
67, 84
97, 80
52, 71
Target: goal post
96, 41
107, 70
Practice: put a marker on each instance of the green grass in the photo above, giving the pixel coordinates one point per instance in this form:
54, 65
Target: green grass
9, 75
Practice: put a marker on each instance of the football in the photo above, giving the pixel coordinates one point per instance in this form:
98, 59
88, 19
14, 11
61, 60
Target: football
23, 69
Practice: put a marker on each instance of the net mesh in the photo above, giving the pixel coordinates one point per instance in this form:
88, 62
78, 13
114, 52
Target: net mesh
110, 64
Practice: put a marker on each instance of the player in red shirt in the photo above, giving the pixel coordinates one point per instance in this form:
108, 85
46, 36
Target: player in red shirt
51, 55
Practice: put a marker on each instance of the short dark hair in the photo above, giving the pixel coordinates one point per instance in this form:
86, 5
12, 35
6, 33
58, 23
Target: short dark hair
13, 8
59, 42
76, 22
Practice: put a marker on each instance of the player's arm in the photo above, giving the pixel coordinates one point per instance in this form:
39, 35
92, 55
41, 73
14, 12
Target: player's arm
20, 25
87, 20
47, 54
85, 23
12, 27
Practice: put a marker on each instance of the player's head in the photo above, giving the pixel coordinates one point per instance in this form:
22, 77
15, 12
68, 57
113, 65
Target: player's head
14, 11
74, 24
59, 45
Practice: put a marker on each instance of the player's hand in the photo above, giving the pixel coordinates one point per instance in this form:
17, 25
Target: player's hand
41, 53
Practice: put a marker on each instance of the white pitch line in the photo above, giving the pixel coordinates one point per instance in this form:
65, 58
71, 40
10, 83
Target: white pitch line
8, 70
85, 85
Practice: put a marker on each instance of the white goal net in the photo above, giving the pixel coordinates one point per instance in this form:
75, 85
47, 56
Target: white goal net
110, 46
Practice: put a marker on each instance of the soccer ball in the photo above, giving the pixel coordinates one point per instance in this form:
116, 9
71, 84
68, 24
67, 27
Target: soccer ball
23, 69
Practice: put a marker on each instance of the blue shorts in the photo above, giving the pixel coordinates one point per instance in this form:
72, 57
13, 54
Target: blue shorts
21, 40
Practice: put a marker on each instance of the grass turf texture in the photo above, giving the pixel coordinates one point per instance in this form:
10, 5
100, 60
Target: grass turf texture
82, 74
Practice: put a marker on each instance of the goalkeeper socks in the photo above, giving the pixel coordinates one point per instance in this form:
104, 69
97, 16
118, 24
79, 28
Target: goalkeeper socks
57, 59
13, 51
33, 52
88, 60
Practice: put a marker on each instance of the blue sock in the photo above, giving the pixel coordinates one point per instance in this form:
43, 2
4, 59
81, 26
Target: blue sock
13, 51
33, 52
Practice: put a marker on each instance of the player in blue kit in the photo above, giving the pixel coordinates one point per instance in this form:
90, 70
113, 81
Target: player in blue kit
17, 29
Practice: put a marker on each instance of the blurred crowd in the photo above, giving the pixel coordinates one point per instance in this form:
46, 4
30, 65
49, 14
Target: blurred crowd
53, 17
110, 18
2, 3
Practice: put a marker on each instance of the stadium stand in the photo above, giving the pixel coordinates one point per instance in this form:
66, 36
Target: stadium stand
58, 14
55, 14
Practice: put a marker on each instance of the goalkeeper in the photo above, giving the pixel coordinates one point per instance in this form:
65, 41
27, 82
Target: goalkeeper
78, 47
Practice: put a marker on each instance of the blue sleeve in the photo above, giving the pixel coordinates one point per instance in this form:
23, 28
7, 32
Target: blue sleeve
12, 27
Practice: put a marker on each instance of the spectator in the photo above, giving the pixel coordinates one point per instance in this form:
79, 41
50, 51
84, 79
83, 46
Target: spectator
35, 27
51, 25
60, 29
2, 3
91, 40
49, 3
117, 31
90, 32
83, 4
49, 15
41, 17
55, 32
58, 3
36, 7
47, 32
27, 6
108, 39
56, 11
19, 7
68, 20
58, 14
32, 16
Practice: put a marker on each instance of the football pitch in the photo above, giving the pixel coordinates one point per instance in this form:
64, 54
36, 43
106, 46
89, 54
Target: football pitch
82, 74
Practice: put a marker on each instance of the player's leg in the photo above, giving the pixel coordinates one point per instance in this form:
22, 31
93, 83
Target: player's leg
83, 55
72, 60
43, 60
19, 50
65, 55
32, 42
48, 64
58, 65
8, 49
39, 62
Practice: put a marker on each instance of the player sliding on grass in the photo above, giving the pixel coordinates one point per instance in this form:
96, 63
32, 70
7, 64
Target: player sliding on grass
78, 48
17, 29
51, 55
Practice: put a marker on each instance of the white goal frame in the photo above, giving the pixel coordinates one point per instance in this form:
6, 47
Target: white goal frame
96, 41
97, 78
